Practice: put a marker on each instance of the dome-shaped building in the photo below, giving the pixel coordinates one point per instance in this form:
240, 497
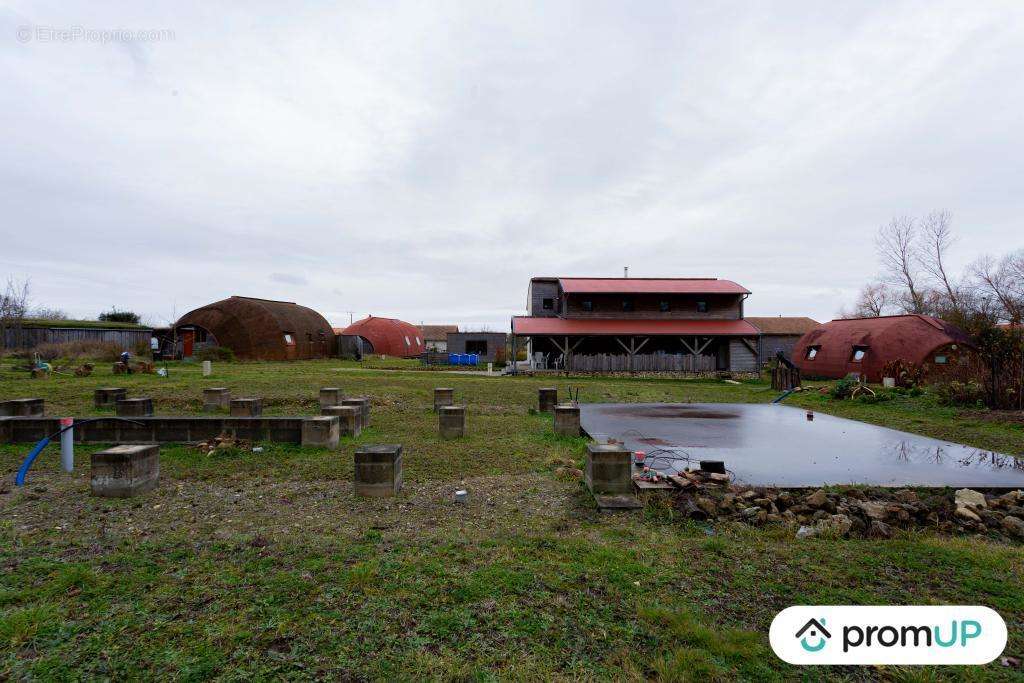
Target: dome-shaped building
864, 345
256, 329
387, 336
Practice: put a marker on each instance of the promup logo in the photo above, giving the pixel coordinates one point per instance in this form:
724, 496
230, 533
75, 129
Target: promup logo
888, 635
816, 630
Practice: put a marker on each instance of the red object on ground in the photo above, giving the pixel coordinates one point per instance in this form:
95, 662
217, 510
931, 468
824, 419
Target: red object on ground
388, 336
577, 326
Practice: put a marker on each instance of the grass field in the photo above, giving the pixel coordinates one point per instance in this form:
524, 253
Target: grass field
266, 566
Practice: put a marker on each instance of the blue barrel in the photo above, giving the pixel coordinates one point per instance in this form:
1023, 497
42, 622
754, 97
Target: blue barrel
453, 359
463, 359
474, 358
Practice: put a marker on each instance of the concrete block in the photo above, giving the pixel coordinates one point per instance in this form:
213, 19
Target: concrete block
350, 419
451, 421
547, 399
22, 407
246, 407
330, 396
608, 469
378, 470
443, 396
216, 398
567, 419
363, 404
107, 397
125, 471
321, 432
134, 407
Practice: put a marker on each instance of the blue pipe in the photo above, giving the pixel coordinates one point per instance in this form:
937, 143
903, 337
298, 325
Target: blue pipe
33, 454
784, 394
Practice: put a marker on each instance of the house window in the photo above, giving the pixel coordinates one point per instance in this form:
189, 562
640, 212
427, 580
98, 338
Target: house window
812, 352
941, 360
858, 353
627, 304
288, 339
664, 306
548, 304
407, 342
477, 346
588, 305
702, 306
418, 342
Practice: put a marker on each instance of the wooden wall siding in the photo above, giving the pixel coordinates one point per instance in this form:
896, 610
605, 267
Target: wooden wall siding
646, 306
770, 343
741, 358
538, 292
642, 362
496, 342
30, 337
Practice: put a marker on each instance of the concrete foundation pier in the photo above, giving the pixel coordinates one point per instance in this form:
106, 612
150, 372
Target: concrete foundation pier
134, 407
246, 407
547, 399
443, 396
451, 421
330, 396
22, 407
378, 470
363, 404
350, 419
321, 432
216, 398
608, 469
107, 397
125, 471
567, 419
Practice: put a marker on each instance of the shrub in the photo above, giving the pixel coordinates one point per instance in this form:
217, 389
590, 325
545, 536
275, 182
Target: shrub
843, 388
116, 316
905, 373
956, 393
217, 353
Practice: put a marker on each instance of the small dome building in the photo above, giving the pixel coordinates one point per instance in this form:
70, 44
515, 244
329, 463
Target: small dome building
256, 329
864, 345
387, 336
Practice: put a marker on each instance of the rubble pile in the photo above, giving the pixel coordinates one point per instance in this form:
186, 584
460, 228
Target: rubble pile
221, 444
871, 513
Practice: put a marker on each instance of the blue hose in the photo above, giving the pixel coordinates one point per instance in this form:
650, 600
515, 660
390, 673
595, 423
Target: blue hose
784, 394
33, 454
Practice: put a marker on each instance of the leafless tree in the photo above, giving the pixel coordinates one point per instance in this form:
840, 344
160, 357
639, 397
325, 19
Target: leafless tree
875, 299
899, 252
937, 237
48, 314
1002, 282
14, 303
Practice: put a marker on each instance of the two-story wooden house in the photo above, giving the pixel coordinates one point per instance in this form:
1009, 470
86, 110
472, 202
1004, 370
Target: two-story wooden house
637, 325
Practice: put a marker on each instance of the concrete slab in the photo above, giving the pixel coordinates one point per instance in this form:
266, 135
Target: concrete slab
776, 445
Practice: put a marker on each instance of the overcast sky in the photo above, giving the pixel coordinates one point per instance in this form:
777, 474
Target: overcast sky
423, 160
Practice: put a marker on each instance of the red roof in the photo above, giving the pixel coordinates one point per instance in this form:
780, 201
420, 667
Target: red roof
913, 338
577, 326
637, 285
389, 336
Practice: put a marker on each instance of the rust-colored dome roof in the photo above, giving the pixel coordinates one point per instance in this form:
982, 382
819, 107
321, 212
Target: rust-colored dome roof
388, 336
262, 329
913, 338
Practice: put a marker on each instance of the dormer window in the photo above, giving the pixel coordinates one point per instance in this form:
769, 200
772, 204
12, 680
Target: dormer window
858, 353
812, 352
288, 339
664, 306
627, 305
702, 306
587, 306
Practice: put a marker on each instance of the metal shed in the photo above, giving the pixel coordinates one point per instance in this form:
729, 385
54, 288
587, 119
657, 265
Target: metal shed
388, 336
864, 345
256, 329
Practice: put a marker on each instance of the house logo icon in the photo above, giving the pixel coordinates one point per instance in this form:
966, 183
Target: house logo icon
817, 633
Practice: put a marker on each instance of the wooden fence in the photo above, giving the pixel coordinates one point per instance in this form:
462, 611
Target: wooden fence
30, 337
650, 362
